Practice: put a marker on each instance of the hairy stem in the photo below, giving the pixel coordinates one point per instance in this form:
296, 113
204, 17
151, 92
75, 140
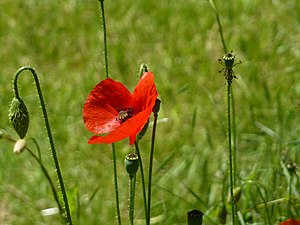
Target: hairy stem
112, 145
151, 166
51, 140
143, 181
104, 36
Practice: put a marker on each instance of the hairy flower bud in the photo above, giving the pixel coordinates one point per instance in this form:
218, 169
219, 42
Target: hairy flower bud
20, 145
19, 117
131, 164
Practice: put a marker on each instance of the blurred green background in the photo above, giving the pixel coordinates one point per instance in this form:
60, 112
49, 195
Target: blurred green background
180, 41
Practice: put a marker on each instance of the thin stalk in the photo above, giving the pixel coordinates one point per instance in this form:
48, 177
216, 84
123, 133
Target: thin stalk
290, 197
112, 145
45, 172
143, 181
51, 140
132, 182
231, 124
230, 153
233, 137
219, 24
265, 203
104, 36
151, 166
116, 182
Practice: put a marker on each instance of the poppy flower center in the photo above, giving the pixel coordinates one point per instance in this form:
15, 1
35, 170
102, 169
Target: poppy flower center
124, 114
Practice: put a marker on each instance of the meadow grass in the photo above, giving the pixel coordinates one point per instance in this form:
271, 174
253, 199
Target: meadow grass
180, 42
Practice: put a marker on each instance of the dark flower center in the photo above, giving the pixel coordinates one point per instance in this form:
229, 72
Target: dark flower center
124, 114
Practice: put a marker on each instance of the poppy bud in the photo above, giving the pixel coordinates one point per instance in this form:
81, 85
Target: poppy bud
19, 117
222, 213
20, 145
236, 195
131, 164
156, 107
194, 217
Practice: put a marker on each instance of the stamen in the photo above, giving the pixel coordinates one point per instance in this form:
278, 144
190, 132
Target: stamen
124, 114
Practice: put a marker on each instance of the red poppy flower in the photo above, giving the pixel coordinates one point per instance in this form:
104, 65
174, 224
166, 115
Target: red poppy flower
290, 222
111, 108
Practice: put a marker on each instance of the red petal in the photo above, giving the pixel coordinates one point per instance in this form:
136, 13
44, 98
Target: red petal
130, 129
145, 93
290, 222
100, 111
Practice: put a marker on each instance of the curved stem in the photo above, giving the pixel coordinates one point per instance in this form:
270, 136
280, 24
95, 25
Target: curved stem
51, 141
143, 181
49, 180
45, 172
104, 36
151, 166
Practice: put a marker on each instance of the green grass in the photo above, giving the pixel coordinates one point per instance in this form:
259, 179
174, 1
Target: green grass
180, 42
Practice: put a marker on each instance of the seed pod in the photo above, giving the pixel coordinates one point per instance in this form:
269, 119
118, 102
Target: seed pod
131, 164
18, 116
194, 217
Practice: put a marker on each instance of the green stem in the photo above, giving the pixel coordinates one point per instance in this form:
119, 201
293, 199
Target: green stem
265, 203
104, 36
116, 182
233, 136
230, 103
230, 153
112, 146
45, 172
151, 166
219, 24
290, 197
51, 141
132, 180
143, 181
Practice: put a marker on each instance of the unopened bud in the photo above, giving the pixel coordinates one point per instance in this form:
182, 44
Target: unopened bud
156, 107
194, 217
19, 117
236, 195
20, 145
131, 164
